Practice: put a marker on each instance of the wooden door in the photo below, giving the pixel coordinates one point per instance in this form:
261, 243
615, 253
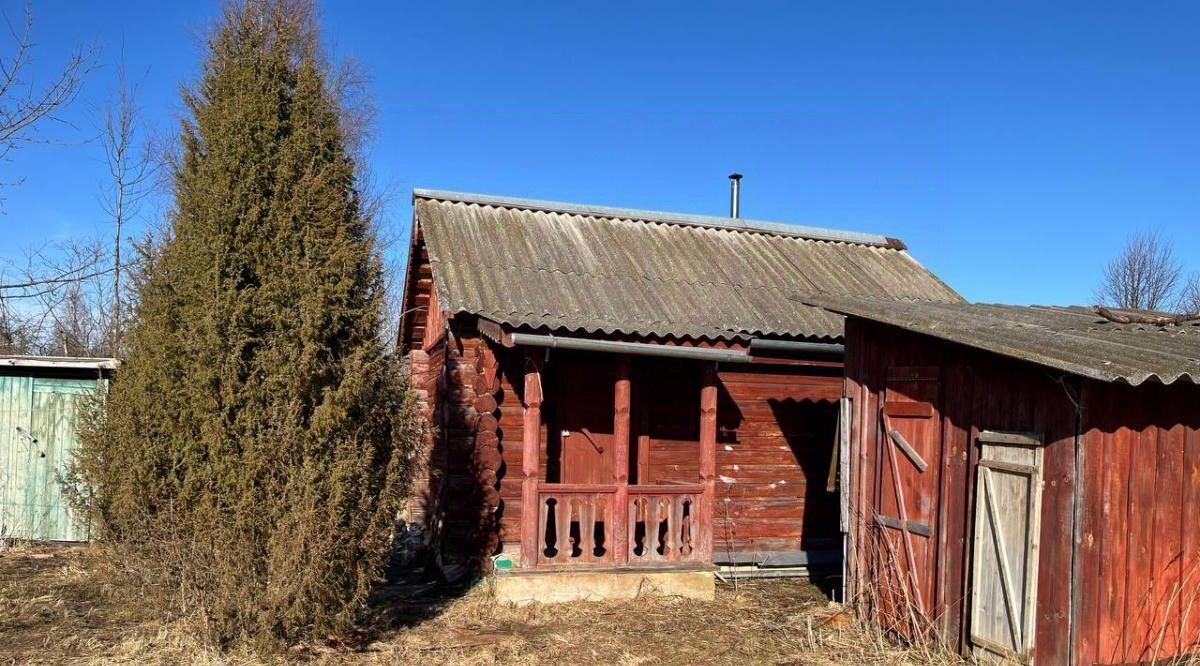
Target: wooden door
1008, 495
908, 470
37, 436
585, 398
16, 451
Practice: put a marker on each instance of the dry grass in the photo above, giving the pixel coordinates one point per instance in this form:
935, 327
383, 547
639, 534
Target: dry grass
55, 607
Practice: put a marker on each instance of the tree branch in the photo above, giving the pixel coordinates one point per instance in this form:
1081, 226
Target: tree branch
1153, 320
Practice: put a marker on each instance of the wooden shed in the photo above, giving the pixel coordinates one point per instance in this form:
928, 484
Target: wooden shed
37, 435
624, 389
1024, 479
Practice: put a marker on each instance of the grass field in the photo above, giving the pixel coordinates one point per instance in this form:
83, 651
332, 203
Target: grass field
56, 606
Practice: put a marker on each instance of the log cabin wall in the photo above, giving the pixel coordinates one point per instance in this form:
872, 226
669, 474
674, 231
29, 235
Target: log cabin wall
1139, 549
426, 339
425, 372
776, 432
975, 391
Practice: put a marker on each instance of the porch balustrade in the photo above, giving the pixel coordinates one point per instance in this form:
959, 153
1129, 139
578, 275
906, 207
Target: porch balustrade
617, 524
576, 525
664, 524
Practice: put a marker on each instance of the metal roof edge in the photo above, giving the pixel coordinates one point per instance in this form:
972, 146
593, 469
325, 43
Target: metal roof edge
682, 219
65, 362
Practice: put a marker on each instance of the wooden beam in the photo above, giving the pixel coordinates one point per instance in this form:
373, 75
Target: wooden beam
1010, 438
494, 332
908, 449
620, 462
920, 410
530, 453
708, 459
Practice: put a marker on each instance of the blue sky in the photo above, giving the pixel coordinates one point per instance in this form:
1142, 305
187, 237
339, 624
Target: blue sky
1012, 147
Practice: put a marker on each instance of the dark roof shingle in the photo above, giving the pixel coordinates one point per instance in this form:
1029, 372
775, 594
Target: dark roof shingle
1072, 339
598, 270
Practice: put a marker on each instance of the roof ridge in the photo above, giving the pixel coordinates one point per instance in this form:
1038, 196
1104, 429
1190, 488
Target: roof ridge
666, 217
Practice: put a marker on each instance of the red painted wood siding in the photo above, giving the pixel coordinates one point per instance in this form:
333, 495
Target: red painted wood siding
775, 434
1139, 554
978, 391
666, 421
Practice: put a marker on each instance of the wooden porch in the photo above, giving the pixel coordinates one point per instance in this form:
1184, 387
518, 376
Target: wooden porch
611, 522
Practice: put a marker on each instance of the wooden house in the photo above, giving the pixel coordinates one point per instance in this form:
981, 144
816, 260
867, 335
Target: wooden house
38, 397
626, 390
1023, 479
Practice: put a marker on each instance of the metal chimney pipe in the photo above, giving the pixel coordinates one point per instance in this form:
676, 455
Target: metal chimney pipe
735, 195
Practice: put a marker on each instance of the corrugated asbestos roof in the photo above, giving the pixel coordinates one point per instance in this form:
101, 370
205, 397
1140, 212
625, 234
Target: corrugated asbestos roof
576, 268
1072, 339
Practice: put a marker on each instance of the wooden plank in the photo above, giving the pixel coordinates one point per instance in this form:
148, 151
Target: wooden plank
1053, 634
908, 409
908, 449
541, 516
1002, 556
622, 398
530, 448
1189, 602
587, 528
844, 429
576, 488
1140, 577
708, 459
914, 373
907, 538
914, 526
1032, 552
1010, 438
958, 391
831, 479
1168, 519
1114, 561
564, 514
1088, 600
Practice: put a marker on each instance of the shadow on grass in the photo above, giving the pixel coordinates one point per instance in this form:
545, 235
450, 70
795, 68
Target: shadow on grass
415, 590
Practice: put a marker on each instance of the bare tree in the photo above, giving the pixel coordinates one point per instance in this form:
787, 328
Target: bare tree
45, 295
1189, 296
25, 106
1144, 276
131, 169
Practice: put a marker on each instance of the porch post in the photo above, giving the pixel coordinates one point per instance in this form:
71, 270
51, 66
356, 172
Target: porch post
708, 458
530, 453
620, 462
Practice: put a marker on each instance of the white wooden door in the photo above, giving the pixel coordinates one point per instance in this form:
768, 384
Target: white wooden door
1008, 493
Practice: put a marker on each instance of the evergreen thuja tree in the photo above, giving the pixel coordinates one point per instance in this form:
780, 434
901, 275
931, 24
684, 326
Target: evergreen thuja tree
252, 452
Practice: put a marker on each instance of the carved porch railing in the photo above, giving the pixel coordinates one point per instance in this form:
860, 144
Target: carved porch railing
664, 524
577, 526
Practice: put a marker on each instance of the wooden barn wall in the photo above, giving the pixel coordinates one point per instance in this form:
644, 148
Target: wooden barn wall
775, 435
1139, 552
977, 391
